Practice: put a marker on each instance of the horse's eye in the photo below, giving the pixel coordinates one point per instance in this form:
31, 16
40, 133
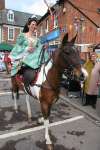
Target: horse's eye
66, 52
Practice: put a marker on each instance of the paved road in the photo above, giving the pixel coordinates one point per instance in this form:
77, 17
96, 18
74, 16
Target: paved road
81, 134
5, 84
71, 128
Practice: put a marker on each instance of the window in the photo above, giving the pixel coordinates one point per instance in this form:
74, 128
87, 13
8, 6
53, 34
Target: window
10, 16
41, 30
55, 21
10, 33
21, 30
98, 10
47, 27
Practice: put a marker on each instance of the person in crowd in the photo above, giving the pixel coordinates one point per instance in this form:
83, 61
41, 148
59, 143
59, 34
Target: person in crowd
92, 90
7, 63
27, 52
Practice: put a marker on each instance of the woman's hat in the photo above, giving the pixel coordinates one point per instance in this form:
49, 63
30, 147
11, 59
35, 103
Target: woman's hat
33, 18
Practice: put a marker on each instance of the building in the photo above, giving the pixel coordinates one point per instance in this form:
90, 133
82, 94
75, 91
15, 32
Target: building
81, 17
11, 23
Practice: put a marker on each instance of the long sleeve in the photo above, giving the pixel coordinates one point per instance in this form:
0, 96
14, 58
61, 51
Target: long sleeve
19, 47
33, 60
20, 39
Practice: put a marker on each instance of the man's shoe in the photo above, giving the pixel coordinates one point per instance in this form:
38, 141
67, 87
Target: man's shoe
88, 98
93, 106
94, 100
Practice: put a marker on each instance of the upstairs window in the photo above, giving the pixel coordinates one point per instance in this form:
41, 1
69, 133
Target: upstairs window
55, 21
41, 30
98, 10
10, 16
47, 26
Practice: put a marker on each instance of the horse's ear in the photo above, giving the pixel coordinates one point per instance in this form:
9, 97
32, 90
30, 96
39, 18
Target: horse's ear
73, 39
65, 39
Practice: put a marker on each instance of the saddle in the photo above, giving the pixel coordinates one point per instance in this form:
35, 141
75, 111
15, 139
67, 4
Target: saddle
27, 76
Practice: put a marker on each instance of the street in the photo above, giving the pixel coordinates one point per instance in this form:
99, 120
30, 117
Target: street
70, 128
53, 47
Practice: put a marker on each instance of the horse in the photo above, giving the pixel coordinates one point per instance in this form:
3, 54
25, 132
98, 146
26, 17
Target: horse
47, 86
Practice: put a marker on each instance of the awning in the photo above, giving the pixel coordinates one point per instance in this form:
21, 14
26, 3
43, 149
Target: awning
5, 47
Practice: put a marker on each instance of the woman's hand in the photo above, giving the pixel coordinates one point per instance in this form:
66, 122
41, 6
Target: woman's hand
31, 49
46, 46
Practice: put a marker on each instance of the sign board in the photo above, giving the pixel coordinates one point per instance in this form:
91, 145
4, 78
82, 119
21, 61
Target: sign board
84, 47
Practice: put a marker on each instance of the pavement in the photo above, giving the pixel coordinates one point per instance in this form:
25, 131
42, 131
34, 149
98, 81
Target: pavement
4, 74
74, 99
5, 83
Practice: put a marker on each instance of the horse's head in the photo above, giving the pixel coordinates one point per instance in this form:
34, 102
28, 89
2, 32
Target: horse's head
70, 54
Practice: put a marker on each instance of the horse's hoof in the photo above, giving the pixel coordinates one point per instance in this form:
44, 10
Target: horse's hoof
16, 111
50, 146
29, 120
40, 120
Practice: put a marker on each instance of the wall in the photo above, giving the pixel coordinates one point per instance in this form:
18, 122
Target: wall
2, 4
72, 18
5, 34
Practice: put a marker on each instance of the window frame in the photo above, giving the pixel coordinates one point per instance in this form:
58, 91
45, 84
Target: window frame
11, 28
10, 16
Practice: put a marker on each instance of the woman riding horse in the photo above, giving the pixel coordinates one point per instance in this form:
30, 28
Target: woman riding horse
47, 86
27, 52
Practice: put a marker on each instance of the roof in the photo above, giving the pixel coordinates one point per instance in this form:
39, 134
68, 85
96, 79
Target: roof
20, 18
5, 47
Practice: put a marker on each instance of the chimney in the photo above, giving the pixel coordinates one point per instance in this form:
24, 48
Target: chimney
2, 4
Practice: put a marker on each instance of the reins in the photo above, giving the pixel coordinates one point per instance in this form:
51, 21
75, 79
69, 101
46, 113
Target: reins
42, 56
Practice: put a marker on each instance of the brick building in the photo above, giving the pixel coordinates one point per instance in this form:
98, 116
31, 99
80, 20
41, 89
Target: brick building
78, 16
11, 23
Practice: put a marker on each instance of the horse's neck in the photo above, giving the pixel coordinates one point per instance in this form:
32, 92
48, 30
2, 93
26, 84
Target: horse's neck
58, 61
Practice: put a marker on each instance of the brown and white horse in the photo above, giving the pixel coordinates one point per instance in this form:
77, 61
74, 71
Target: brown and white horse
47, 86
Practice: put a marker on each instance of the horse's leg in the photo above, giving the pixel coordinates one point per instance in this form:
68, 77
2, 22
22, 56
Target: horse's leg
47, 136
15, 102
45, 106
15, 93
28, 107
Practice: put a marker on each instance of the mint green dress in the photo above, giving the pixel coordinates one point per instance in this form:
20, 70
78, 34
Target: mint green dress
20, 55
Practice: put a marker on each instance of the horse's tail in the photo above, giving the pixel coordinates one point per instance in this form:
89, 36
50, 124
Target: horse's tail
17, 93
